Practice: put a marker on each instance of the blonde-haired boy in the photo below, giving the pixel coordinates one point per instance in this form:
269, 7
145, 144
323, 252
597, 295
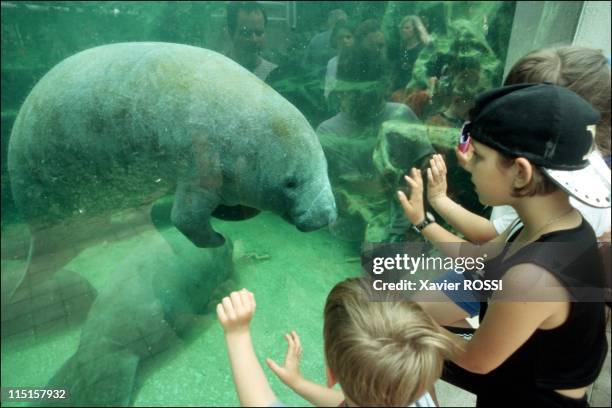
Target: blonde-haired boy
380, 353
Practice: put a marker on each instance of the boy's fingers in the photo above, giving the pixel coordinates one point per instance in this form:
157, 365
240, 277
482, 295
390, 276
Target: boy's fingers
221, 313
293, 350
236, 301
296, 338
229, 309
227, 304
298, 344
290, 343
273, 366
246, 300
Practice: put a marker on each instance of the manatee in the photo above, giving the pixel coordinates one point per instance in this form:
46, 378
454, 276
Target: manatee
120, 125
148, 306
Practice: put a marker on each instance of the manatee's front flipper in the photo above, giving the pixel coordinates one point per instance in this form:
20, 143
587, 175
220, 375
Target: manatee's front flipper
99, 380
191, 215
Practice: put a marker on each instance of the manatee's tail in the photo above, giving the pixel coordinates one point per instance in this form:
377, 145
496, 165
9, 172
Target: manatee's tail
96, 379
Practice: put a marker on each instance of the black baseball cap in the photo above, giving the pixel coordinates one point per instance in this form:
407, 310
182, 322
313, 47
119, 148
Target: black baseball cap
548, 125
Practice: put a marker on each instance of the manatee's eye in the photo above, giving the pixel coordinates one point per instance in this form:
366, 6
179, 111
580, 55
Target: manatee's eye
290, 183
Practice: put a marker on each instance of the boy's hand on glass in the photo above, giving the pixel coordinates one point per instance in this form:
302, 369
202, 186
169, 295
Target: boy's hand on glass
235, 312
436, 179
413, 206
289, 373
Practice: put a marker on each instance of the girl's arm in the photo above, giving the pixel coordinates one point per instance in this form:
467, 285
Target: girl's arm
511, 321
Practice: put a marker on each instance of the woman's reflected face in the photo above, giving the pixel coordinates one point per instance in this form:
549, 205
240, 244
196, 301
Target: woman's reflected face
407, 31
344, 40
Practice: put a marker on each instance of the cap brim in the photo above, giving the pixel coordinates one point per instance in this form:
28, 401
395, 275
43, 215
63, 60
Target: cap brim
591, 185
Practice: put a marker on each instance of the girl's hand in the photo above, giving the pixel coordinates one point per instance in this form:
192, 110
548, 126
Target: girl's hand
289, 373
436, 179
413, 206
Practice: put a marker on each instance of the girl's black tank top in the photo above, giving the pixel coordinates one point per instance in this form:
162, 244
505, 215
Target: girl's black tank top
571, 355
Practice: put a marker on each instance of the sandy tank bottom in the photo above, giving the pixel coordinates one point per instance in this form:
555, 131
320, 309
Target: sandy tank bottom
290, 274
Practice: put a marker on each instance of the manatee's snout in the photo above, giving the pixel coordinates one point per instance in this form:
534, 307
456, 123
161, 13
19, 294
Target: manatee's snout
320, 220
315, 213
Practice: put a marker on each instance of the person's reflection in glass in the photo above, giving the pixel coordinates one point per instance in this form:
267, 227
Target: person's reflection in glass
342, 38
413, 39
349, 138
465, 82
246, 23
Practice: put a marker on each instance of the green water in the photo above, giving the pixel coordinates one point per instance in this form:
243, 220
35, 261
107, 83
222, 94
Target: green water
290, 286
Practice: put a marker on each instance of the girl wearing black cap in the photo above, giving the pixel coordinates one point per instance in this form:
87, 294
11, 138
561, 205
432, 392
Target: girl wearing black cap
542, 338
582, 70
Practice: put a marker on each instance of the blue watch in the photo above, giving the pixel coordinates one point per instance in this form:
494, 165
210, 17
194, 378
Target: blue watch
429, 219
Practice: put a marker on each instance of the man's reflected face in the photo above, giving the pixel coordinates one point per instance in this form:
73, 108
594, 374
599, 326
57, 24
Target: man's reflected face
365, 102
374, 43
250, 31
465, 83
